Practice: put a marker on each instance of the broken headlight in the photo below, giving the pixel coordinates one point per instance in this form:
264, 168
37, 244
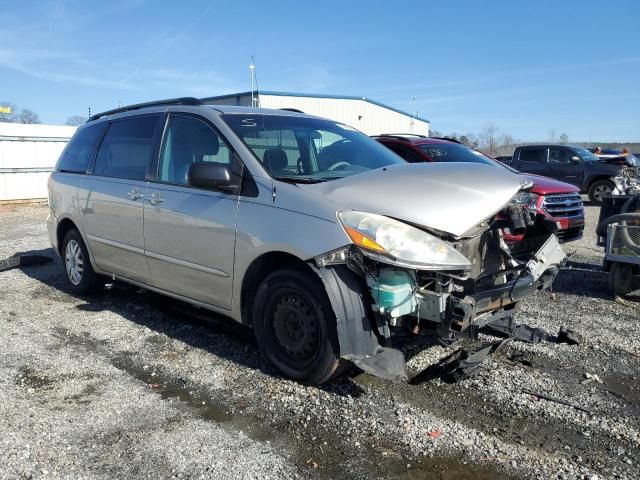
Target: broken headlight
525, 199
390, 241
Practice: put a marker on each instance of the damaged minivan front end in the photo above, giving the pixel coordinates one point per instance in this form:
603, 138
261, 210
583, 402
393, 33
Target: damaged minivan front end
421, 285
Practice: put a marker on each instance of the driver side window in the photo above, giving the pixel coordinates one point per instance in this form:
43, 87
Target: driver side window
559, 155
188, 140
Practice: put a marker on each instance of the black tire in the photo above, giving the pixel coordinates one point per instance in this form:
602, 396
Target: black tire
598, 189
83, 279
295, 326
621, 278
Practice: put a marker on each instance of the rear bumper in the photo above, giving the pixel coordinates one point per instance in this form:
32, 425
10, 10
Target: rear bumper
52, 224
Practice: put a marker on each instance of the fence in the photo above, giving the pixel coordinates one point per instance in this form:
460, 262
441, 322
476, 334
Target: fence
28, 154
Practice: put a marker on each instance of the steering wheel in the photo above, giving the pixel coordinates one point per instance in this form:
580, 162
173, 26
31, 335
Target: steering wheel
336, 165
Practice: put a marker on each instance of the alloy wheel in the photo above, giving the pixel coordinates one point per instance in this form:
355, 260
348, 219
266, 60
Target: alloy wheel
74, 262
600, 191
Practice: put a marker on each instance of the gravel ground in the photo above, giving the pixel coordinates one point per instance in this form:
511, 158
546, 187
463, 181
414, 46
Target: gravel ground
130, 384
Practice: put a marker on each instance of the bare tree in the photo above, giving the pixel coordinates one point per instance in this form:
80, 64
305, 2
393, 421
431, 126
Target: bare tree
435, 133
552, 135
564, 138
75, 120
28, 116
470, 140
506, 144
489, 139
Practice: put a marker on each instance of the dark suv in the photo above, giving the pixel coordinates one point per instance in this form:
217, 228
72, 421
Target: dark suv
555, 201
575, 165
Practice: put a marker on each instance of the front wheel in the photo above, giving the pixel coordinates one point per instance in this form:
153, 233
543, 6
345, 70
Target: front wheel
295, 326
599, 189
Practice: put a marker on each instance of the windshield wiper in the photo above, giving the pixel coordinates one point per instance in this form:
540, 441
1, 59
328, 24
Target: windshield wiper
300, 179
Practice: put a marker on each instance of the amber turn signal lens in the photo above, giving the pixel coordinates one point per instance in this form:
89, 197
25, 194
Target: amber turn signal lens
363, 241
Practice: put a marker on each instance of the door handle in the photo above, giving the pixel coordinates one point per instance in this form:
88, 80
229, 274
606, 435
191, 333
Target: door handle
155, 199
134, 194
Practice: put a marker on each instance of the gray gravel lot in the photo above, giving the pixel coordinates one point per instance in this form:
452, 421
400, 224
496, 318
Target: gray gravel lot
128, 384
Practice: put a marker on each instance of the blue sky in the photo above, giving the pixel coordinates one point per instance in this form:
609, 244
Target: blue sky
527, 66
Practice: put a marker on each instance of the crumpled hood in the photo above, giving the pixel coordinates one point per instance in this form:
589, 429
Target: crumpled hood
449, 197
629, 160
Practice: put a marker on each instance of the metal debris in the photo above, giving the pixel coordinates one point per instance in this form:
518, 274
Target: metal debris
542, 396
22, 261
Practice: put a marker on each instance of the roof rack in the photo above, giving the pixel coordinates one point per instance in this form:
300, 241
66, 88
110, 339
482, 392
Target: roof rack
449, 139
157, 103
401, 135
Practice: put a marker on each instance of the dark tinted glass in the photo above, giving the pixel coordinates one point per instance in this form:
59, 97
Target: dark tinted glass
534, 155
126, 149
77, 154
454, 152
560, 155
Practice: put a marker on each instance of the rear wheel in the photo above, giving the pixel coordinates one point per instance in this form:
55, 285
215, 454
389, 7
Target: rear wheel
620, 278
599, 189
80, 275
295, 326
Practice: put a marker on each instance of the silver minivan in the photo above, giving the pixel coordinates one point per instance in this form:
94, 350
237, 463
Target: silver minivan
331, 247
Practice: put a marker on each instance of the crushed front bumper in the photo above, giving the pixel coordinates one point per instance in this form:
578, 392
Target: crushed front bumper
367, 338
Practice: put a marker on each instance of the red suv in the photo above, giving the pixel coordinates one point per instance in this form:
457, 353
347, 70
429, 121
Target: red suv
556, 201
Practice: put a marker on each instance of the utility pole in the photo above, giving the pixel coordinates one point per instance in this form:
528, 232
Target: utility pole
415, 114
252, 72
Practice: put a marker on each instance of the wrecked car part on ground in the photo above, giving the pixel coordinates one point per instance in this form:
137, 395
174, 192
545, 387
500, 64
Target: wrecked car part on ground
422, 287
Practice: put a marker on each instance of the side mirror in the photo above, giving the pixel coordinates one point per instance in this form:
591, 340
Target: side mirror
211, 175
575, 159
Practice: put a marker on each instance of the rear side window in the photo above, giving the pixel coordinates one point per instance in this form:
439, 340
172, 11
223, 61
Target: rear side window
534, 155
77, 154
126, 148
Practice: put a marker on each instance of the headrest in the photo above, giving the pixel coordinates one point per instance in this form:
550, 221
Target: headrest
275, 158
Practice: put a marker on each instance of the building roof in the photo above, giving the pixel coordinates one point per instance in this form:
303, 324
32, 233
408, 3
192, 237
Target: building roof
312, 95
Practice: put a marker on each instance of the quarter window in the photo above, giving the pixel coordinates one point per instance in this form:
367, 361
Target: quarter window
188, 140
126, 149
76, 156
534, 155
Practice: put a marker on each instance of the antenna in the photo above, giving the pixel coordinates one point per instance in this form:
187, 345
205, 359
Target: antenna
89, 113
252, 72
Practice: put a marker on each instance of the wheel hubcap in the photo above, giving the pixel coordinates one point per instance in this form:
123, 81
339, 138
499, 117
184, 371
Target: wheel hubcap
74, 263
295, 327
600, 192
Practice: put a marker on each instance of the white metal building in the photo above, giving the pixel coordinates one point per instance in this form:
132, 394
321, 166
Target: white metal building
28, 154
368, 116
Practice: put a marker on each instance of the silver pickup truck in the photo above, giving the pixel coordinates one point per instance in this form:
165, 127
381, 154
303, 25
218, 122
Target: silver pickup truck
326, 243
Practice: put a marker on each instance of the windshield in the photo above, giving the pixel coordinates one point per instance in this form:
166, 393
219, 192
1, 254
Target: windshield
308, 149
454, 152
585, 154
